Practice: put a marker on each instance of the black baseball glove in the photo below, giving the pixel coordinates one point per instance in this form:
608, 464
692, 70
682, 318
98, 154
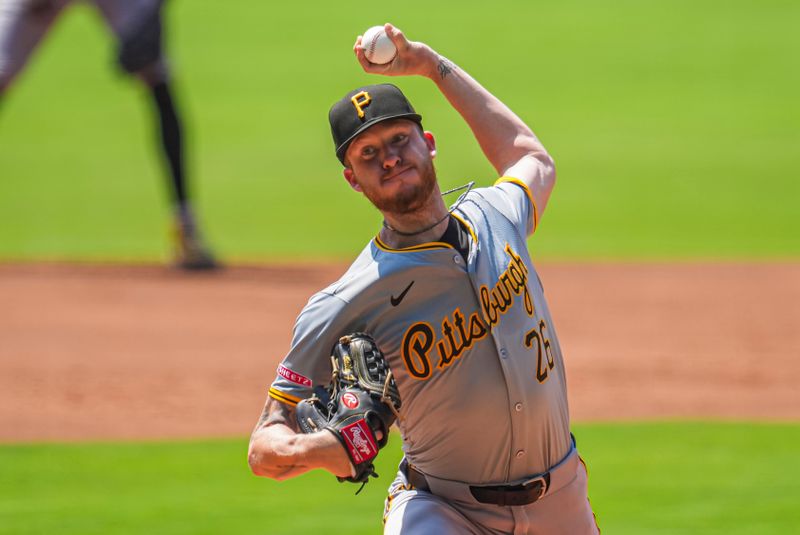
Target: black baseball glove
359, 405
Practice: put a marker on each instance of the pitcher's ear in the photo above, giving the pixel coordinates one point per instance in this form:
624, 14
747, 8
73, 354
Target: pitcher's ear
351, 178
431, 142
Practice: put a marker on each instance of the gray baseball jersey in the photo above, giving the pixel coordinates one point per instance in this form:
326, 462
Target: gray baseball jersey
471, 345
23, 24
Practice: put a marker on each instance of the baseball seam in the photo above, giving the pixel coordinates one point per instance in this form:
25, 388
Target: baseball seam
372, 44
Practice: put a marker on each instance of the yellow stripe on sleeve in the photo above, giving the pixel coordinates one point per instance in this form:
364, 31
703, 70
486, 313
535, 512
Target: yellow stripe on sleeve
283, 397
524, 186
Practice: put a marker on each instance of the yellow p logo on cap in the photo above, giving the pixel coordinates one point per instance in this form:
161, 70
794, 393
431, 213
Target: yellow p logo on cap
361, 100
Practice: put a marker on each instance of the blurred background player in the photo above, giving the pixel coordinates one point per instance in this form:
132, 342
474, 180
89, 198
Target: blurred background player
138, 28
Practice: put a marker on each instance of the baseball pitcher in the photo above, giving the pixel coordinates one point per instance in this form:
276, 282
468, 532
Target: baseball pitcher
463, 353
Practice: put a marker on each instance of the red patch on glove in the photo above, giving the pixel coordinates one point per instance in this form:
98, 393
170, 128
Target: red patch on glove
360, 442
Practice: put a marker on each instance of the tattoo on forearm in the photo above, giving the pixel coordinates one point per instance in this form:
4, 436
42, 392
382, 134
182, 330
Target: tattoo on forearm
445, 67
262, 419
275, 413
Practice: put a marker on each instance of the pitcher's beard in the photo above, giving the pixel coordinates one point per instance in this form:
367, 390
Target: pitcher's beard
410, 198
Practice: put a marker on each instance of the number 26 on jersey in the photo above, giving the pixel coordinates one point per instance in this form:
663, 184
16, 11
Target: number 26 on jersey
544, 359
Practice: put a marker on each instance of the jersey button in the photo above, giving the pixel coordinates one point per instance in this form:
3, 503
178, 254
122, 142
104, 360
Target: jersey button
518, 407
503, 352
520, 454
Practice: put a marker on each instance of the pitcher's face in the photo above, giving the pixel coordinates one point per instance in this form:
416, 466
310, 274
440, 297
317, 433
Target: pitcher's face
391, 163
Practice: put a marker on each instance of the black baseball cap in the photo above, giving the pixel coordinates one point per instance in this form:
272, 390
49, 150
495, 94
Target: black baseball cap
364, 107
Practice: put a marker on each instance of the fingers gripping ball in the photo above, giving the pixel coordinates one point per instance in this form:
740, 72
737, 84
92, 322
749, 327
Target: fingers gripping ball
363, 403
378, 48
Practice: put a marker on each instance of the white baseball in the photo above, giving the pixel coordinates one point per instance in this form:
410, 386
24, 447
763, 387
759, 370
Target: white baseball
378, 48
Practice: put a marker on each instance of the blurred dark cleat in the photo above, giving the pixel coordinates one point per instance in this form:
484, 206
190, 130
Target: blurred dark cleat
191, 253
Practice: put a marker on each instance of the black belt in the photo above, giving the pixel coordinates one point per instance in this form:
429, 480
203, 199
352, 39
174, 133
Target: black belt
522, 494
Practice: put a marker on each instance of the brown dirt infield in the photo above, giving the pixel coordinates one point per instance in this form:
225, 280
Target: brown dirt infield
116, 352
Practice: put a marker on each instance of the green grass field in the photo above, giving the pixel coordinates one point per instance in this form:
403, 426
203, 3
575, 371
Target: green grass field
674, 126
644, 478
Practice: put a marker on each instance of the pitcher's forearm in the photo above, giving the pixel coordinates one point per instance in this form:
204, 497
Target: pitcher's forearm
280, 453
502, 135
